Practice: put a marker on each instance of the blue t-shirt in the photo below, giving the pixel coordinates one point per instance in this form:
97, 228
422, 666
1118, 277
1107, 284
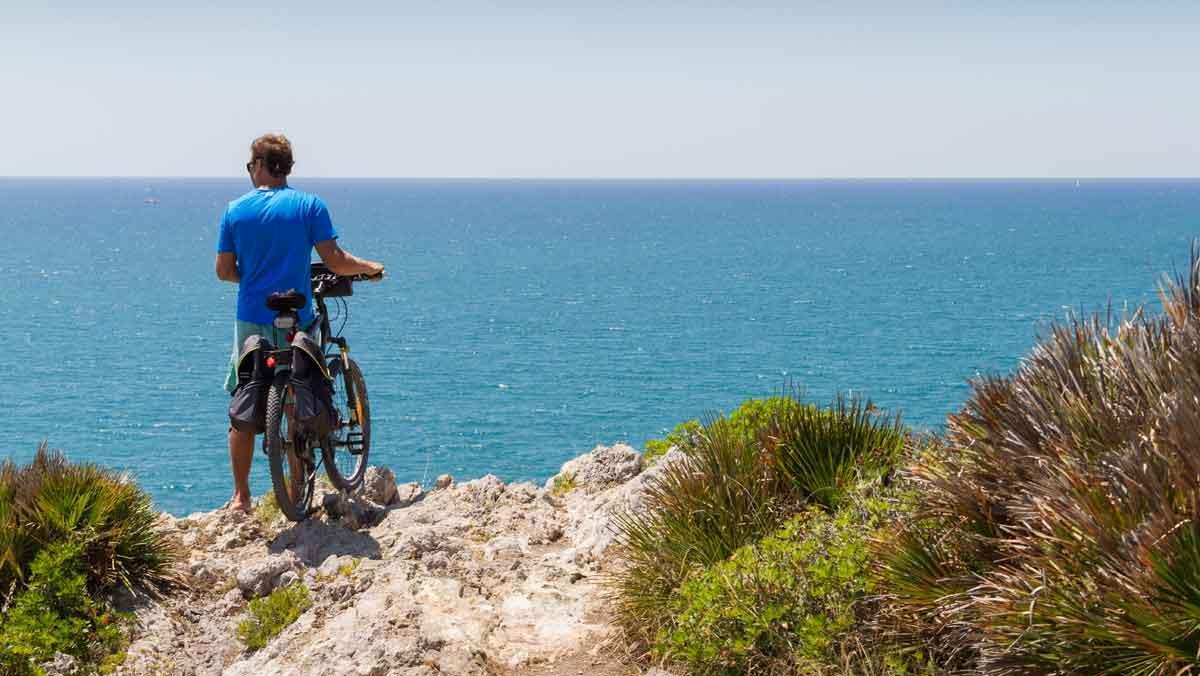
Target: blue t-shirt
272, 233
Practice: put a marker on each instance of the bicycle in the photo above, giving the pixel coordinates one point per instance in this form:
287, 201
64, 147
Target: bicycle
345, 437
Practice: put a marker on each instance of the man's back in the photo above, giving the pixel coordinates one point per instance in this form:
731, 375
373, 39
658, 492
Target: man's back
272, 233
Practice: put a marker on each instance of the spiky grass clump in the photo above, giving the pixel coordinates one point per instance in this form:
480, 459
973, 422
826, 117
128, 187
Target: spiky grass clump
823, 453
697, 512
739, 479
1059, 529
107, 515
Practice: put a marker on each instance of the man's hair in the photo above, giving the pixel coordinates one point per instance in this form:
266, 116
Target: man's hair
276, 153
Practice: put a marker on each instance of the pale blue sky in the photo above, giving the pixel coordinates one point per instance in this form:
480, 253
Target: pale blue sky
474, 89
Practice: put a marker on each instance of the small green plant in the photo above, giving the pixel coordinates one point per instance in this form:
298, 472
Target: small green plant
563, 483
347, 569
110, 664
271, 614
55, 613
267, 511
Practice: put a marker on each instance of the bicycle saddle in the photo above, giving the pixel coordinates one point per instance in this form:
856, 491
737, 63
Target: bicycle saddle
286, 300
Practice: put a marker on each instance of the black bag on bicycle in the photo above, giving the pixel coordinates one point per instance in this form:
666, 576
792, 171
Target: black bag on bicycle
248, 409
312, 387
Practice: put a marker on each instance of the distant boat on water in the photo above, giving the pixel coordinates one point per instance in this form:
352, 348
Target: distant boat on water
150, 200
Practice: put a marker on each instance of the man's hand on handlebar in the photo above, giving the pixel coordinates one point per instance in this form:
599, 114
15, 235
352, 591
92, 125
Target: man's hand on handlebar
370, 276
343, 263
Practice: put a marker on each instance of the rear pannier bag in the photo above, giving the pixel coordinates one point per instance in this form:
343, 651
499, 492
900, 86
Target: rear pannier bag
248, 409
312, 387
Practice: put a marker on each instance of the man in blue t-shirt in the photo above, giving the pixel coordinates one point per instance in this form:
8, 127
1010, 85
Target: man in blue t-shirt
265, 245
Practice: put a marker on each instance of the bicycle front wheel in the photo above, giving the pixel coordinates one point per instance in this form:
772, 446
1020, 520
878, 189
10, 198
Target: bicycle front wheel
292, 473
346, 448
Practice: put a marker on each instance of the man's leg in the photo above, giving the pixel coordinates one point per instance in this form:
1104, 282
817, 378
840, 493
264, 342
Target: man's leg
241, 444
241, 454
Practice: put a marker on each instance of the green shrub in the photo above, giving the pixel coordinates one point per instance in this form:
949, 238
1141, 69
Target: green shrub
271, 614
781, 604
730, 489
56, 613
750, 419
106, 514
1059, 528
682, 434
757, 419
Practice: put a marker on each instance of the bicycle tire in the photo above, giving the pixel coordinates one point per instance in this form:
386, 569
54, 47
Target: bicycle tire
351, 478
294, 508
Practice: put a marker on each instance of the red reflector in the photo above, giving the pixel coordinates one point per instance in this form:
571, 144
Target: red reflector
270, 362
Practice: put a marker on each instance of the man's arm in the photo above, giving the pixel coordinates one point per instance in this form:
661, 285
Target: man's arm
227, 270
342, 262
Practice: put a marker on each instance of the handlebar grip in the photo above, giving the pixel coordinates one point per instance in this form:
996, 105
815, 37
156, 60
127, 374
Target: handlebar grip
361, 277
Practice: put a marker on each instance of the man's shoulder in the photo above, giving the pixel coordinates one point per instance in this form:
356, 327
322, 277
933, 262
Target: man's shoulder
302, 197
239, 201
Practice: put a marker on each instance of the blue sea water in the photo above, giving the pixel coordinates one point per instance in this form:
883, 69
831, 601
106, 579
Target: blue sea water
523, 322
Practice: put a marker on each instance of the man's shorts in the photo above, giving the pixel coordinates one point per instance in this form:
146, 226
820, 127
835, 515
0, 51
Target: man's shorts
243, 330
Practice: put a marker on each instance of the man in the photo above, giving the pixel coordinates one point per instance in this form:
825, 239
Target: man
265, 245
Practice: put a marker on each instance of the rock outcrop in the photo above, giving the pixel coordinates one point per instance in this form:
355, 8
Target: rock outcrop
479, 577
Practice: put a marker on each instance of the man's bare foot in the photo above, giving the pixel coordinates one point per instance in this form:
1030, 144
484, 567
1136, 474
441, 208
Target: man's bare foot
239, 505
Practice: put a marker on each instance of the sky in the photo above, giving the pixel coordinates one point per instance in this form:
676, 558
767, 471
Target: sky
604, 89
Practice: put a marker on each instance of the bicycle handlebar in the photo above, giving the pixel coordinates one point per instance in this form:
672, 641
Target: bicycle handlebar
326, 283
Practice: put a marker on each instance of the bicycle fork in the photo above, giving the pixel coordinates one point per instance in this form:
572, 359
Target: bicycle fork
354, 435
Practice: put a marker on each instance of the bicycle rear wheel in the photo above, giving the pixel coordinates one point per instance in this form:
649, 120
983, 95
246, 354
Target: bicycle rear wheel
346, 448
292, 470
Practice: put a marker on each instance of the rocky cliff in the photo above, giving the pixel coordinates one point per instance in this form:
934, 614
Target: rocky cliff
480, 577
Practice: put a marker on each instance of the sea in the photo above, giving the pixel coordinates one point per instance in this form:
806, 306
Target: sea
523, 322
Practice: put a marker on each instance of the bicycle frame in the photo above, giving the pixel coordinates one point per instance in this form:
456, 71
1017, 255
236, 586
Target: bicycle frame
321, 318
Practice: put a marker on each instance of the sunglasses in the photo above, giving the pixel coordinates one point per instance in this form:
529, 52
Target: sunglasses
250, 165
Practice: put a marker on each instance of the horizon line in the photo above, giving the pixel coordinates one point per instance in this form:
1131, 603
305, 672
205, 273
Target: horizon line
624, 178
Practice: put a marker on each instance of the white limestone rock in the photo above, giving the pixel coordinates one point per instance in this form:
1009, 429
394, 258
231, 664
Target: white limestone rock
379, 486
259, 578
479, 578
603, 467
